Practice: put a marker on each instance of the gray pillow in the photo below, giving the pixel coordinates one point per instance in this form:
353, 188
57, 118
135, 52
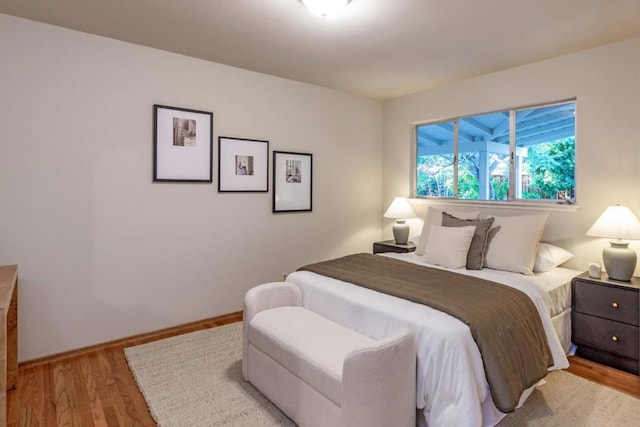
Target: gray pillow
475, 256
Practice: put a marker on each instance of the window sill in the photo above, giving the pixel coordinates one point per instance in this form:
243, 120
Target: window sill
545, 206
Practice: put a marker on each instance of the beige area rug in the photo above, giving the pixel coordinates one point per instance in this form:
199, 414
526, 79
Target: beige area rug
196, 380
572, 401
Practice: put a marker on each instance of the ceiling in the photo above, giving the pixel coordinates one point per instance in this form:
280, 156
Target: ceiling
376, 48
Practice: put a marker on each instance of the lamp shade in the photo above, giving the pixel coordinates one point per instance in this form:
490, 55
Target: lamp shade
400, 209
616, 222
325, 8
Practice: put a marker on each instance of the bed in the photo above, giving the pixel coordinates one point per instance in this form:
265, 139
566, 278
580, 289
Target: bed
451, 386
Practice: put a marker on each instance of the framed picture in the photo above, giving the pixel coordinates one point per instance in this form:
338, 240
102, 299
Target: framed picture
243, 165
292, 182
182, 145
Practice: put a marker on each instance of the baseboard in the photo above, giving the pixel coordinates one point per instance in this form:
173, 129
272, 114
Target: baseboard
138, 339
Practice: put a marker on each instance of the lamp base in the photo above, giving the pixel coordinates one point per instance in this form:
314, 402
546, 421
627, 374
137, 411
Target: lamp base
401, 232
619, 261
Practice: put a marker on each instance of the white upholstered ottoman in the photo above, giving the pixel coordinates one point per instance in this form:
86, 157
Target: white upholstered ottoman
321, 373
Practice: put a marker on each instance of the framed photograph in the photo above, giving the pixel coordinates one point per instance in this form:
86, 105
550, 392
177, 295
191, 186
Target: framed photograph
182, 145
243, 165
292, 182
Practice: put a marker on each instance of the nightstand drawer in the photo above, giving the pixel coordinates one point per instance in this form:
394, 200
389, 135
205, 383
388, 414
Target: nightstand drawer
606, 335
604, 301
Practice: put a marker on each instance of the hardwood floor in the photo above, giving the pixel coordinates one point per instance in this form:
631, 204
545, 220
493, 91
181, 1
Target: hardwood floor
620, 380
89, 387
94, 386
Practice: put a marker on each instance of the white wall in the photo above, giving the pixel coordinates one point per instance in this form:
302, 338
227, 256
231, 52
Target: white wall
103, 252
606, 83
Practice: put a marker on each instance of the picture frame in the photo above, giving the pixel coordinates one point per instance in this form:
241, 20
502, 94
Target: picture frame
182, 145
292, 182
243, 165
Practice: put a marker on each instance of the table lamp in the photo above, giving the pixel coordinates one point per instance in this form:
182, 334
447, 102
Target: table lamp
618, 222
400, 210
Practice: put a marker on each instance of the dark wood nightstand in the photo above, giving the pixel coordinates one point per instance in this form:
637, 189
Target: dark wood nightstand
605, 321
392, 246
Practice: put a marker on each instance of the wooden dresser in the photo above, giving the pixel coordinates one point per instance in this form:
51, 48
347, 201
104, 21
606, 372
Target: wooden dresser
605, 321
8, 335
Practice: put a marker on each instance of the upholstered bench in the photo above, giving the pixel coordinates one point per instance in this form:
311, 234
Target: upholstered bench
321, 373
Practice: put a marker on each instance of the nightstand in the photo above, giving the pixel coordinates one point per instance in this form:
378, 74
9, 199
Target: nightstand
392, 246
605, 322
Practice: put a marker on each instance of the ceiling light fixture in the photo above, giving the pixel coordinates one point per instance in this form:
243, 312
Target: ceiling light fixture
325, 8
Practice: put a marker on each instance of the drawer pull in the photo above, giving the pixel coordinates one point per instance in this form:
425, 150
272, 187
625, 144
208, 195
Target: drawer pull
614, 338
614, 305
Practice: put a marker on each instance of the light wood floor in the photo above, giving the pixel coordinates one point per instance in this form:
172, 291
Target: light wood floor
94, 387
89, 387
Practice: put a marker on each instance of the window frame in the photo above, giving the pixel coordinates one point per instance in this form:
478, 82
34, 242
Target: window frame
511, 200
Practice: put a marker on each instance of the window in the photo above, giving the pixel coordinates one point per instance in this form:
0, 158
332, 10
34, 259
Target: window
517, 154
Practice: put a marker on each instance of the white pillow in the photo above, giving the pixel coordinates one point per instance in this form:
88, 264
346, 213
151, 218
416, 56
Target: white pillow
434, 216
550, 256
448, 246
514, 244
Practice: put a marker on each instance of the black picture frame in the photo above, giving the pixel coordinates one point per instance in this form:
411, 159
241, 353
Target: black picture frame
182, 145
292, 182
243, 165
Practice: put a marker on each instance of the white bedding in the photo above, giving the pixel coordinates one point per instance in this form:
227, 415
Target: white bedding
451, 385
556, 283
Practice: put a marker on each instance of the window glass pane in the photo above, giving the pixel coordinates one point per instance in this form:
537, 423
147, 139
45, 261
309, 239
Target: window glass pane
434, 162
543, 156
483, 171
545, 152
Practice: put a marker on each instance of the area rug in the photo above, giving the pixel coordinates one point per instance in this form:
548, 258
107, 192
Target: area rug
569, 400
196, 380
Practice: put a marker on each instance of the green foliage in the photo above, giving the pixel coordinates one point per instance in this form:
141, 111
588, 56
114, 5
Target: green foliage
500, 188
435, 176
467, 185
551, 166
468, 173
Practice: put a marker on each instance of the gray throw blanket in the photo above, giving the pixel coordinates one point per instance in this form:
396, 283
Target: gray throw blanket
504, 322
